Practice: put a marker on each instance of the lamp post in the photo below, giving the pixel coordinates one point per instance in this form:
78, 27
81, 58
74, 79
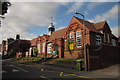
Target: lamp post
85, 55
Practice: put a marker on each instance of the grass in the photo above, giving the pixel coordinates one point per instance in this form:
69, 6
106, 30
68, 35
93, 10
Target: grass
27, 58
66, 60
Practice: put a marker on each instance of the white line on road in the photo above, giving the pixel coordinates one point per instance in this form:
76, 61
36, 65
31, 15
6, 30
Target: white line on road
3, 72
21, 69
43, 77
15, 70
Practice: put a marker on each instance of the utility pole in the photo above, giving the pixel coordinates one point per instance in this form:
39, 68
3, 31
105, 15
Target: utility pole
84, 33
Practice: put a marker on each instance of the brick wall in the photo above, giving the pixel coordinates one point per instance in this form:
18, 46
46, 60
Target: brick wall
75, 54
103, 56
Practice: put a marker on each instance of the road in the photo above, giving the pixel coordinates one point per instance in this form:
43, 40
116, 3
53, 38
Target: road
13, 69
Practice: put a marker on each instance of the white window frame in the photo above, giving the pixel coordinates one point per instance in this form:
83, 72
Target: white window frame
43, 47
72, 37
38, 47
98, 39
49, 48
78, 39
113, 42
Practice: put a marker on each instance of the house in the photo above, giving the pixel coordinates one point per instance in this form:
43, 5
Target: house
33, 45
93, 42
85, 40
55, 44
14, 47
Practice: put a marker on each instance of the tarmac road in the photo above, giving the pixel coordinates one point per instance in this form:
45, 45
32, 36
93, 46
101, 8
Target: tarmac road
15, 70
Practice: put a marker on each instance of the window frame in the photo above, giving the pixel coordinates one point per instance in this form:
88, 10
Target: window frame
49, 48
38, 47
43, 47
98, 40
78, 36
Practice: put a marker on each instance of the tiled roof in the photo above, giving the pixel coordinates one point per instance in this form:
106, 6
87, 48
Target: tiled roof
87, 24
47, 37
57, 34
33, 41
100, 25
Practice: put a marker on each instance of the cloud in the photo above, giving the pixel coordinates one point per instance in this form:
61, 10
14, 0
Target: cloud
115, 31
74, 6
109, 15
23, 16
93, 5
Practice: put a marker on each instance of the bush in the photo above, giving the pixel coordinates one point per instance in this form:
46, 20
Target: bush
35, 52
11, 52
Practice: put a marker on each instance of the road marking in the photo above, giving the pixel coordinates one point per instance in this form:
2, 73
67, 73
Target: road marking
22, 69
41, 69
43, 77
61, 73
15, 70
3, 72
80, 76
10, 65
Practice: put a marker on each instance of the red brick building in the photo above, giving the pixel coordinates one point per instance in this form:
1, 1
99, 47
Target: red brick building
81, 39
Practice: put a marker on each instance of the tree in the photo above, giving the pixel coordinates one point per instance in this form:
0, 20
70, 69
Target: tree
35, 52
11, 53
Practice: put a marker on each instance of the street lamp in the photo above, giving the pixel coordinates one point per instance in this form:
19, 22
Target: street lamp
85, 55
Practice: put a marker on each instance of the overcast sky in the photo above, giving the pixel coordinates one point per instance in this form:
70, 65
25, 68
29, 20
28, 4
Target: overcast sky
31, 19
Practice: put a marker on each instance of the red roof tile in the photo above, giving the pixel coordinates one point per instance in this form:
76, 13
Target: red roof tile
57, 34
100, 25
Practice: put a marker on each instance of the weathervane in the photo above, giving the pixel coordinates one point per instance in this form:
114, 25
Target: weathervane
51, 20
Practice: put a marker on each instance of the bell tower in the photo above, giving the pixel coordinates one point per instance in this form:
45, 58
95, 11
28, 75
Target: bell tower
51, 28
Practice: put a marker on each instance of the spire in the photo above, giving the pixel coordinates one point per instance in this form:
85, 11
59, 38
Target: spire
51, 28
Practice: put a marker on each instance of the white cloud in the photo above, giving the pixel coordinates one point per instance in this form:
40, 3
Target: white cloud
75, 6
23, 16
115, 31
109, 15
93, 5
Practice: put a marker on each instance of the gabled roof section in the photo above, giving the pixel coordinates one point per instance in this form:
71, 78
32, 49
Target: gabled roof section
46, 36
87, 24
100, 25
57, 34
33, 41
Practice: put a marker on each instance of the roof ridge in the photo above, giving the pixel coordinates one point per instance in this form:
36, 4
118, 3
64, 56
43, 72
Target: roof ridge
101, 22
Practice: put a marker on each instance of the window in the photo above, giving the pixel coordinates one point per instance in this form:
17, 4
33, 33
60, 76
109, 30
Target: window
38, 47
113, 42
98, 40
49, 47
104, 37
43, 47
72, 37
78, 39
108, 38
